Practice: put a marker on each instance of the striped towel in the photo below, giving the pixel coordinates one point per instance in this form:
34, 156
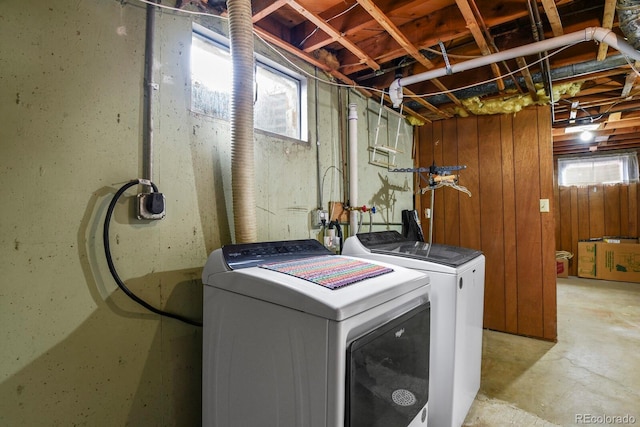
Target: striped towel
331, 271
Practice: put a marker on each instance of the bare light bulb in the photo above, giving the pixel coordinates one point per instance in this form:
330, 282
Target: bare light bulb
586, 136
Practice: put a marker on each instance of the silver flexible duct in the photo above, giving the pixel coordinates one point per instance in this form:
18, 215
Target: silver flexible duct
629, 20
242, 96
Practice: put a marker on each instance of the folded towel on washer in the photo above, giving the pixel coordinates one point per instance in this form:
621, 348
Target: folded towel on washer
331, 271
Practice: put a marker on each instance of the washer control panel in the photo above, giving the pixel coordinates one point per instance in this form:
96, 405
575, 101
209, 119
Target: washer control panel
245, 255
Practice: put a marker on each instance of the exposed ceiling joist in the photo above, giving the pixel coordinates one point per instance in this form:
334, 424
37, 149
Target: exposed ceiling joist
374, 41
334, 34
402, 40
607, 22
553, 16
474, 28
277, 4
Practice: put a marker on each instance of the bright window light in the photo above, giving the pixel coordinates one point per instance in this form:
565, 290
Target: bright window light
602, 169
280, 105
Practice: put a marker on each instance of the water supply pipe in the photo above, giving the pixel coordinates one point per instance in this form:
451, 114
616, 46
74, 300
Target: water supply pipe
353, 168
242, 96
600, 34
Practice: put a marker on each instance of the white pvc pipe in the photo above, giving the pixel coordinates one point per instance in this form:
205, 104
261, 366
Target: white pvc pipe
591, 33
353, 168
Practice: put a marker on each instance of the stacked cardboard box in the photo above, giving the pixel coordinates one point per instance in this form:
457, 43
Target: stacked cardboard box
603, 259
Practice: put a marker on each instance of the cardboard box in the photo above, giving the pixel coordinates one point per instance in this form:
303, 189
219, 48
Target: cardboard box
619, 261
609, 261
562, 267
587, 259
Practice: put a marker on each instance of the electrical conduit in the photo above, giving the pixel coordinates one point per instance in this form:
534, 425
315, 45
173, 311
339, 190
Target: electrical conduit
242, 97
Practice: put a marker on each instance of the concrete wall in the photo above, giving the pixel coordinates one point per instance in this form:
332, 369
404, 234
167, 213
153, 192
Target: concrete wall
75, 350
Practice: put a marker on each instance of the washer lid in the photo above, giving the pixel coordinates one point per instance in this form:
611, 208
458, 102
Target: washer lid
392, 243
303, 295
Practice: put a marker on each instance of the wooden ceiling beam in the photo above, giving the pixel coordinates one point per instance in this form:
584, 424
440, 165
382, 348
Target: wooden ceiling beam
444, 25
268, 10
584, 148
476, 32
403, 41
630, 81
528, 79
553, 16
394, 32
427, 105
334, 34
607, 22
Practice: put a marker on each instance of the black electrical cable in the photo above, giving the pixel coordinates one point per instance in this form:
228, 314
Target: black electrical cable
336, 224
112, 268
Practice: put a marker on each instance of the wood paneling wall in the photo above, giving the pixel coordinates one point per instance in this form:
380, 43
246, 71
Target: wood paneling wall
509, 163
594, 212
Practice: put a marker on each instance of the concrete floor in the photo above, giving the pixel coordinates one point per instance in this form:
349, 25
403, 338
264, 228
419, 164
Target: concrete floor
590, 376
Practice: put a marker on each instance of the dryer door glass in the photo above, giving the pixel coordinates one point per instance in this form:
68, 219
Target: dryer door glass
388, 372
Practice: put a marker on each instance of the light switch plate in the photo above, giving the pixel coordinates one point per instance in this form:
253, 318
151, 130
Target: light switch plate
544, 205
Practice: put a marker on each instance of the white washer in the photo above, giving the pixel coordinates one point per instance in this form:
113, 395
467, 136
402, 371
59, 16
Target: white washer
280, 350
457, 298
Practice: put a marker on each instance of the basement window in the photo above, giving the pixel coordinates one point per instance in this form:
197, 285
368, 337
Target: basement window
280, 104
603, 169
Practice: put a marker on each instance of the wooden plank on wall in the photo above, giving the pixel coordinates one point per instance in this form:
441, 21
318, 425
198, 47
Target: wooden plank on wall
439, 218
624, 210
634, 218
557, 212
545, 150
584, 229
573, 263
451, 197
564, 243
612, 208
491, 220
509, 224
469, 178
528, 224
425, 157
596, 211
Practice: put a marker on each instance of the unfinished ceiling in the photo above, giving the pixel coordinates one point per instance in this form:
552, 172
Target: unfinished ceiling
371, 43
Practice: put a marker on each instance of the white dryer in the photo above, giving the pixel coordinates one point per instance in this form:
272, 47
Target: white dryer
281, 348
457, 306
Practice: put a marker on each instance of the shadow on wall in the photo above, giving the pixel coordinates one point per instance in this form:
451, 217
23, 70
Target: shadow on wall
113, 370
212, 207
385, 198
123, 365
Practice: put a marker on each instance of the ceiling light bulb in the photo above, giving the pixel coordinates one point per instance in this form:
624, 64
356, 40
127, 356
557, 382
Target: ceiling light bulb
586, 136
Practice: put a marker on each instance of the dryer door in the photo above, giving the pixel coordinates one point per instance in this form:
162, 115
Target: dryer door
388, 373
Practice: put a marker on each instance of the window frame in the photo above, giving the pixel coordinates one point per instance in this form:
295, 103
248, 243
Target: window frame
271, 66
630, 175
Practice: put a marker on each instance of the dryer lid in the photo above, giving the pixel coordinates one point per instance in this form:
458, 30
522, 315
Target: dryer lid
392, 243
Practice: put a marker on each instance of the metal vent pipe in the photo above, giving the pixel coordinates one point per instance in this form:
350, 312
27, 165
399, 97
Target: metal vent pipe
629, 20
242, 157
